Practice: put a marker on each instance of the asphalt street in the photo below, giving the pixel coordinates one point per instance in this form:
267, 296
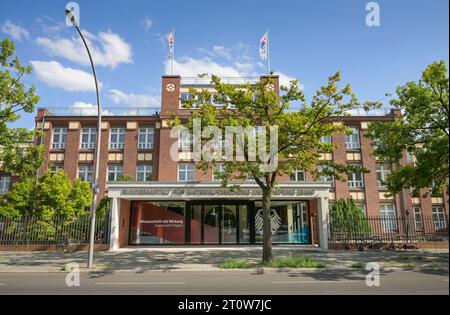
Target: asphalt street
236, 282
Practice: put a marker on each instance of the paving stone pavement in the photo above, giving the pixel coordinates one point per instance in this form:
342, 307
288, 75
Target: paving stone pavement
141, 259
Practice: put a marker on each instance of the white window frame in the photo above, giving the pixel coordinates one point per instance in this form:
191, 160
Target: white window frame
119, 132
326, 139
116, 170
388, 216
191, 96
418, 221
91, 132
362, 207
5, 183
144, 170
382, 170
295, 176
149, 134
86, 170
221, 168
184, 170
56, 167
61, 132
353, 182
352, 141
438, 214
325, 178
184, 142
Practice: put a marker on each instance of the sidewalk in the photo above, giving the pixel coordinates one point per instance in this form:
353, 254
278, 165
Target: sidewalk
139, 259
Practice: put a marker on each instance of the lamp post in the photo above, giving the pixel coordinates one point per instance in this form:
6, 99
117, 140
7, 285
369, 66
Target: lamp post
95, 188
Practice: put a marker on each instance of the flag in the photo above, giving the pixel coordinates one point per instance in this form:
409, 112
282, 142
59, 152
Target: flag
263, 46
170, 42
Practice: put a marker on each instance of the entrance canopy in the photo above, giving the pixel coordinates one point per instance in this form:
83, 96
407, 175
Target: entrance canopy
211, 191
201, 202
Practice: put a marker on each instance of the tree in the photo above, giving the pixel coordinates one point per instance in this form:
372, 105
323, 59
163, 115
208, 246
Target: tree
16, 97
299, 133
348, 221
422, 131
53, 196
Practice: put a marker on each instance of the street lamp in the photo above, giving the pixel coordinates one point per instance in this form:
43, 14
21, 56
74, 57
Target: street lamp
95, 188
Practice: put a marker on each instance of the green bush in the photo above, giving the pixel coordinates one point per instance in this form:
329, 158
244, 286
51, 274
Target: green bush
348, 221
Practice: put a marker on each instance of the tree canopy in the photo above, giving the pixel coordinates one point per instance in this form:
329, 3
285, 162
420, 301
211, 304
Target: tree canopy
53, 195
422, 131
258, 108
16, 97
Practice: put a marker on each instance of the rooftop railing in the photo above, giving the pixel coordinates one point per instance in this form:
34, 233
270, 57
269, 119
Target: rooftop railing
226, 80
154, 111
106, 111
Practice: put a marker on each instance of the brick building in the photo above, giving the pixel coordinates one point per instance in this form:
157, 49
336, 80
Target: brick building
173, 202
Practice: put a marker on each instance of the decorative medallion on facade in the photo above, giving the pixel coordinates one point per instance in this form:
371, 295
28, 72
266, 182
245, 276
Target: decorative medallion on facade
170, 87
270, 87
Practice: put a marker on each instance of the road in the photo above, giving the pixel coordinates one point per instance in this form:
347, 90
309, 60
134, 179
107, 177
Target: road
227, 282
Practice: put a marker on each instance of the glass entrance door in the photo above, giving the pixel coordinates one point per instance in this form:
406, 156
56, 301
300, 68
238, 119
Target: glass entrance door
220, 223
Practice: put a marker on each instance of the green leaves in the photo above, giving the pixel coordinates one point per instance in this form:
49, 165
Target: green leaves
19, 155
54, 195
423, 131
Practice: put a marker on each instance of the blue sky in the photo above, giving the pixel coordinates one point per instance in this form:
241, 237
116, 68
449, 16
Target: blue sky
309, 40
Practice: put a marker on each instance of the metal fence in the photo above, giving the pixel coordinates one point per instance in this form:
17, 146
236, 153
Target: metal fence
390, 229
34, 231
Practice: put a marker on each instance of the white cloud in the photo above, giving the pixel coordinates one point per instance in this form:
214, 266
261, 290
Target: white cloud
134, 100
50, 25
146, 24
225, 62
17, 32
108, 49
54, 74
80, 108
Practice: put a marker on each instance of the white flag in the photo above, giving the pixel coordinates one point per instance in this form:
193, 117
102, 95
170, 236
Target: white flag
170, 42
263, 46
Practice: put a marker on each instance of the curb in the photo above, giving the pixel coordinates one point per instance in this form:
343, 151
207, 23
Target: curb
210, 269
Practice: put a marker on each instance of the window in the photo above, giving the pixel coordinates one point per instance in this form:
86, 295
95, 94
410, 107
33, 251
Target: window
114, 172
59, 138
56, 167
438, 217
323, 177
325, 139
144, 173
383, 170
186, 97
88, 138
352, 140
355, 180
145, 138
219, 168
409, 157
387, 215
298, 176
85, 173
361, 206
185, 172
184, 140
117, 138
5, 181
417, 218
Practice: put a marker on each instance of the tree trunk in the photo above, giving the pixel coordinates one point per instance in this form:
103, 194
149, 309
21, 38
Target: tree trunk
267, 229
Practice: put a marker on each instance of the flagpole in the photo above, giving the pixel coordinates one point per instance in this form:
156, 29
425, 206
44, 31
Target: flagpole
173, 47
268, 53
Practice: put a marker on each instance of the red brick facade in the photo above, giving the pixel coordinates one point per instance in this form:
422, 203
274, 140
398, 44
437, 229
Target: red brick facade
165, 169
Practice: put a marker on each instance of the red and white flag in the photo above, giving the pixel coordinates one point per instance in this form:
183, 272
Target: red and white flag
170, 42
263, 46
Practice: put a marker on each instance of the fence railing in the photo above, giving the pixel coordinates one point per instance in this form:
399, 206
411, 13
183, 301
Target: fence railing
388, 229
34, 231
